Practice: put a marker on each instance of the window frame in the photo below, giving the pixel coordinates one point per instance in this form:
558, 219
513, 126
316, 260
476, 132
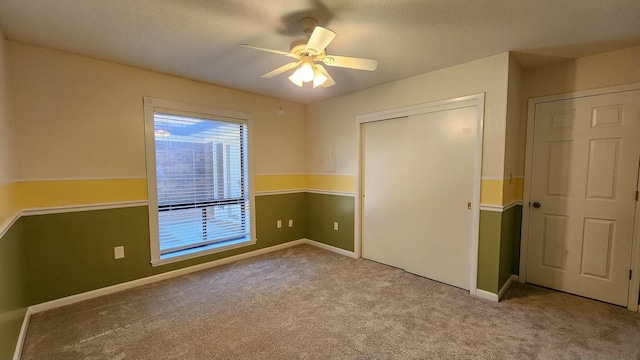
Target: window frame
154, 105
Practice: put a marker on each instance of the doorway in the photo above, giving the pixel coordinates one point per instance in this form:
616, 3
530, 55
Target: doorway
581, 183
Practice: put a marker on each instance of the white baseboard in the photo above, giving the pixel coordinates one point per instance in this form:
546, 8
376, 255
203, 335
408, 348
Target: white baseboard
171, 274
334, 249
151, 279
486, 295
505, 287
496, 297
154, 278
23, 334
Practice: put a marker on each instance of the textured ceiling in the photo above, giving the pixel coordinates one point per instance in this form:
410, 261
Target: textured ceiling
198, 39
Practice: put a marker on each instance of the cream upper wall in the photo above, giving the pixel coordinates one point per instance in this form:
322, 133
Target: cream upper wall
514, 95
77, 117
590, 72
6, 126
612, 68
334, 120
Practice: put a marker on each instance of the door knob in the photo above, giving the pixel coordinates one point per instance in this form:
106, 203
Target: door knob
536, 204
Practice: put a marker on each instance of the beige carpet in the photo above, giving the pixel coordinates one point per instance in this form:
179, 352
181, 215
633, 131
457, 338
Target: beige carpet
307, 303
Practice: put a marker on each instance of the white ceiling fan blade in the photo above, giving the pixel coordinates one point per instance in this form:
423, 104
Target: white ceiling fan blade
279, 70
267, 50
323, 71
351, 62
319, 39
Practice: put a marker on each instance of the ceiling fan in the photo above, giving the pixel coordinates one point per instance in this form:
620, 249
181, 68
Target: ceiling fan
307, 51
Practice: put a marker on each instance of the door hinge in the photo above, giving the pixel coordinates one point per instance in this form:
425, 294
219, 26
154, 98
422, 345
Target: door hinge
630, 273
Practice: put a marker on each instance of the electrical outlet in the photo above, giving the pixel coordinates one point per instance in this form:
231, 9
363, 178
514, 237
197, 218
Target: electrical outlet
335, 225
279, 224
290, 223
118, 252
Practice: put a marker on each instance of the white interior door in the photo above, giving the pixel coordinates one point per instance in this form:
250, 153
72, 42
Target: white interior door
385, 187
583, 190
419, 177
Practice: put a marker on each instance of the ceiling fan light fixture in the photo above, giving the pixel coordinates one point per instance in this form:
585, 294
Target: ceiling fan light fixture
295, 79
318, 79
305, 72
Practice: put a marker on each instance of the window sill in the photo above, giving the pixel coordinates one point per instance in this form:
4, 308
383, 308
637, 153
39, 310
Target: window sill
206, 250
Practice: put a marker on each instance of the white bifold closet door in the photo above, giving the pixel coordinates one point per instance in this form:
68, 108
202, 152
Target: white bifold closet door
418, 183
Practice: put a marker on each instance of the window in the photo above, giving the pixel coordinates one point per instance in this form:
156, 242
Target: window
199, 183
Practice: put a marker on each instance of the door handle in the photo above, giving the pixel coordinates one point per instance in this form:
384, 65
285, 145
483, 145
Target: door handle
536, 205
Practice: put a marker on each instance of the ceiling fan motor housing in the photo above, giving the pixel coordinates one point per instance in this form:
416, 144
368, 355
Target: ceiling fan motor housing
299, 49
308, 24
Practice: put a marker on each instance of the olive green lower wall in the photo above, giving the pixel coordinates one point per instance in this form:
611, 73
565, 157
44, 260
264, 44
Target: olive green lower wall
498, 248
46, 257
13, 288
499, 239
489, 251
71, 253
510, 244
322, 211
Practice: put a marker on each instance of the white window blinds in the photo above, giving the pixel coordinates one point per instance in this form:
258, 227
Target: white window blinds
202, 188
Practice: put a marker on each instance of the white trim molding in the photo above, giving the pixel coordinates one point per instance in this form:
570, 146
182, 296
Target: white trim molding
491, 207
17, 353
334, 249
634, 282
513, 204
5, 226
497, 297
330, 192
507, 285
175, 273
329, 173
306, 190
500, 208
483, 294
155, 278
429, 107
67, 209
280, 192
79, 208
